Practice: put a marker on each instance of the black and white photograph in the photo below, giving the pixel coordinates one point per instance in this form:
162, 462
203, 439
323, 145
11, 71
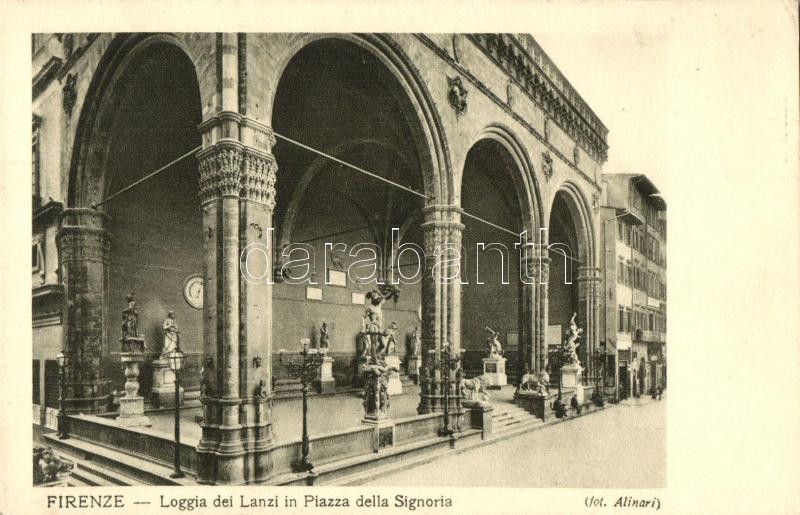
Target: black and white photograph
405, 263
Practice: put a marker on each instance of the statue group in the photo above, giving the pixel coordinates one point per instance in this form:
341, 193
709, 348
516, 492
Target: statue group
570, 348
376, 343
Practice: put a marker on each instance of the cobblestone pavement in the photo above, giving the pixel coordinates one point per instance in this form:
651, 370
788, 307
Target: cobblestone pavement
623, 446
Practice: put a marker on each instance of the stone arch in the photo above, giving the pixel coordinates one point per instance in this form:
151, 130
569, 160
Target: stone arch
581, 216
286, 230
527, 189
87, 173
429, 133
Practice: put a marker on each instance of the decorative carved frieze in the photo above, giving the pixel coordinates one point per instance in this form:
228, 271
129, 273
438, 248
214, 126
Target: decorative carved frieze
523, 60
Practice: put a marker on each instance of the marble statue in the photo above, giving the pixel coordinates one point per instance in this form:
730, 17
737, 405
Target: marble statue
495, 349
391, 342
571, 346
324, 338
171, 335
529, 382
416, 342
372, 323
474, 389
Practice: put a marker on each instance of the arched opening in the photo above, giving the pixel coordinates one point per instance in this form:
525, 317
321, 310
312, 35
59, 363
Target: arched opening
145, 120
492, 295
336, 96
566, 253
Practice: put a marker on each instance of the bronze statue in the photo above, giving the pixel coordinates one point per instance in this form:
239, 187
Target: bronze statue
130, 318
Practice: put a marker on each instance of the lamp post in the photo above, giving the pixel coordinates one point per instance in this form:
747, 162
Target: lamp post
63, 363
305, 370
176, 358
448, 363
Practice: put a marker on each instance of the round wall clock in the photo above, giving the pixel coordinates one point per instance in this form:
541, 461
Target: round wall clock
193, 291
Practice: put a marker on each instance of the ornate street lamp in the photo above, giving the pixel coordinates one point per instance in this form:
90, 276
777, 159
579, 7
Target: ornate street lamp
176, 358
306, 370
448, 363
63, 363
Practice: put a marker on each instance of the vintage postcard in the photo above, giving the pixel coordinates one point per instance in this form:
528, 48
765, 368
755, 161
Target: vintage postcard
353, 267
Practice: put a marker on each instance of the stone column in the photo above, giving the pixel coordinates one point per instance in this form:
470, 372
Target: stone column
588, 281
83, 245
441, 303
542, 275
528, 341
237, 188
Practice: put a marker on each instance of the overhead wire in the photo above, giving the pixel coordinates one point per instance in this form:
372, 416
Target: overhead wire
332, 158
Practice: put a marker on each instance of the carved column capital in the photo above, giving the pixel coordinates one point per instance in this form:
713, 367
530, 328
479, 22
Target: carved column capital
82, 236
237, 160
258, 175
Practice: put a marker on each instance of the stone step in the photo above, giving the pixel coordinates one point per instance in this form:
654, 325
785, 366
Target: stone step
82, 477
135, 469
106, 474
415, 453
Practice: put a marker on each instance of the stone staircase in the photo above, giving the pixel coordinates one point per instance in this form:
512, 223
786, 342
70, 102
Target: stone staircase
98, 465
508, 418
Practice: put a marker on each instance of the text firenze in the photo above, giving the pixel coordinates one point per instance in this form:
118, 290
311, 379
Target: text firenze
298, 261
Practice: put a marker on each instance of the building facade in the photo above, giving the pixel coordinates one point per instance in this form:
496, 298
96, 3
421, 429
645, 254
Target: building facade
635, 237
476, 128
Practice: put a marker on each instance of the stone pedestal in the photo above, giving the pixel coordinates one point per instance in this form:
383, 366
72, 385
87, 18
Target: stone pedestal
162, 393
494, 371
383, 432
131, 407
571, 383
478, 414
414, 364
535, 403
326, 383
395, 386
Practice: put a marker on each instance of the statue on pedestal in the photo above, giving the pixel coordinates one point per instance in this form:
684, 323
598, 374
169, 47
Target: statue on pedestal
376, 393
324, 338
372, 324
171, 335
391, 342
130, 318
571, 346
416, 342
474, 389
493, 343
